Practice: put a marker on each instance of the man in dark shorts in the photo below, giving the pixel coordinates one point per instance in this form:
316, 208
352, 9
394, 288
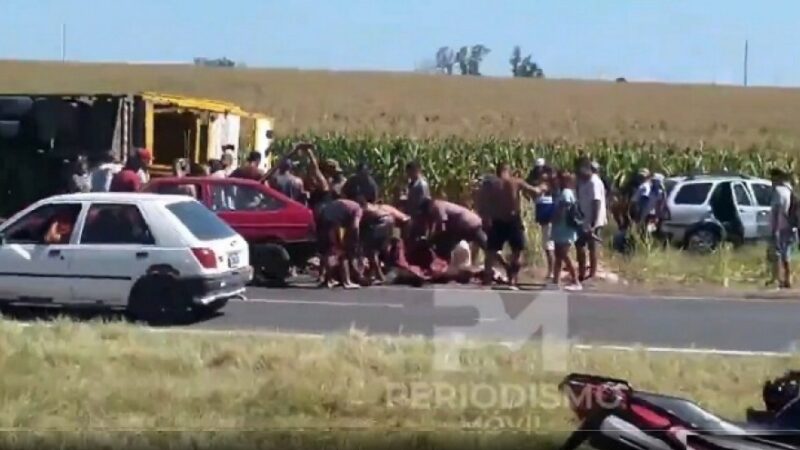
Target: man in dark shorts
591, 194
338, 224
501, 208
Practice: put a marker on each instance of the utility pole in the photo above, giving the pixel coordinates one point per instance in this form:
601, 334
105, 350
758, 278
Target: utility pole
745, 62
63, 42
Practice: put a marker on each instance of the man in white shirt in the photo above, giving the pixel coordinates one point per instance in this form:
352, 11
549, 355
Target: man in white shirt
783, 230
591, 194
100, 177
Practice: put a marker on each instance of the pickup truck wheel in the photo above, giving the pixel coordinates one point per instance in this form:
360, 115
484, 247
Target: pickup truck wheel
159, 300
702, 240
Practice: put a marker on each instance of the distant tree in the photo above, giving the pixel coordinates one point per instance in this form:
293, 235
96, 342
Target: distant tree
621, 80
462, 58
516, 58
476, 55
445, 59
525, 68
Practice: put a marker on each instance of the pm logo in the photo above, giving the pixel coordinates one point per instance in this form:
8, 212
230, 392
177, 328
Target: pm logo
544, 313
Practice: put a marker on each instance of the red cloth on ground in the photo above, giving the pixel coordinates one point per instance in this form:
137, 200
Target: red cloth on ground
417, 264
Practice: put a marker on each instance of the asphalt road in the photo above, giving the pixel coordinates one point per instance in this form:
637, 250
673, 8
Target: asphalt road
721, 324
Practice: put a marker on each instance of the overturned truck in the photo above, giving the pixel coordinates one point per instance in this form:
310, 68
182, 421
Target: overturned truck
41, 134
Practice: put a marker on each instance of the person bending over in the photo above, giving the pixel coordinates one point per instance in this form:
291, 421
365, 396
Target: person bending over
378, 225
338, 235
448, 224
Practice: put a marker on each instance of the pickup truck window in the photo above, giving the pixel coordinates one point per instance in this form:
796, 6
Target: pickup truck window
763, 193
742, 198
692, 194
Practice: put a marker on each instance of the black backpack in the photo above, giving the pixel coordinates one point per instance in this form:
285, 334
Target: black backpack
575, 217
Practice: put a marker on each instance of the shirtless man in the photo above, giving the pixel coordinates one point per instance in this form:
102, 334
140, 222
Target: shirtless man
287, 183
379, 223
449, 223
504, 219
337, 233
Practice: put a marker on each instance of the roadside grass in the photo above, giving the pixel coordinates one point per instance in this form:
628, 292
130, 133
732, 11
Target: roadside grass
121, 386
744, 267
658, 266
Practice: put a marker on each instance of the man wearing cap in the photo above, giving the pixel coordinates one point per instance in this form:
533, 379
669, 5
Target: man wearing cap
641, 197
535, 175
335, 175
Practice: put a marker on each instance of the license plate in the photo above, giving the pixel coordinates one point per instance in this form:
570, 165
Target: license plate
233, 260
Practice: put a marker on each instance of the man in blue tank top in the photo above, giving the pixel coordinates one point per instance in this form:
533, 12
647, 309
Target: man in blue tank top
544, 210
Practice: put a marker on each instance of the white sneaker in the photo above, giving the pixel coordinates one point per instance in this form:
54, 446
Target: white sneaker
573, 287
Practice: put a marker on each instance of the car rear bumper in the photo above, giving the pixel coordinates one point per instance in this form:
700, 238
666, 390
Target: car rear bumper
208, 289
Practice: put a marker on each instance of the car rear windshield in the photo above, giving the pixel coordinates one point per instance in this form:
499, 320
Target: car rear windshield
201, 222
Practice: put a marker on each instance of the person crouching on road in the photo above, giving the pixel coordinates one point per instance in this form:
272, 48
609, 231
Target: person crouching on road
377, 231
448, 224
565, 230
338, 235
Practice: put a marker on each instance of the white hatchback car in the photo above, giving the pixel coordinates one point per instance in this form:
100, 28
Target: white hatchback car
162, 257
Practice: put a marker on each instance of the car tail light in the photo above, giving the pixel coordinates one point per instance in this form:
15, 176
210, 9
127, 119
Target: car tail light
206, 257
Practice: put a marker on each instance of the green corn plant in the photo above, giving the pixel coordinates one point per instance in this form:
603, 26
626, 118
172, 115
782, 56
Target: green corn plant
452, 163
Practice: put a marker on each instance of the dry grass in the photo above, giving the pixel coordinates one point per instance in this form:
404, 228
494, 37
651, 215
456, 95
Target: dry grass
118, 384
422, 105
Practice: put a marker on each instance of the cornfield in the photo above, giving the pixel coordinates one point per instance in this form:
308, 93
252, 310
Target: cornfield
453, 164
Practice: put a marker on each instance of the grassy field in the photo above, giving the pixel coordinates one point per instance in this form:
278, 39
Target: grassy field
423, 105
122, 385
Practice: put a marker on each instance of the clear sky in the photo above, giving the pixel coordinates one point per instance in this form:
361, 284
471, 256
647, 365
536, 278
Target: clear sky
665, 40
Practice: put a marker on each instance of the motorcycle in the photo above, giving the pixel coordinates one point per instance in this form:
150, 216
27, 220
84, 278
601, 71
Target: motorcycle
615, 416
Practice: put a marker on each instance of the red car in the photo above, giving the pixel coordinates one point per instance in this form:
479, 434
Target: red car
280, 231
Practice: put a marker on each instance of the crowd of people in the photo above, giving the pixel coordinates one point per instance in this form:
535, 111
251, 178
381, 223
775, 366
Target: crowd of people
360, 233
